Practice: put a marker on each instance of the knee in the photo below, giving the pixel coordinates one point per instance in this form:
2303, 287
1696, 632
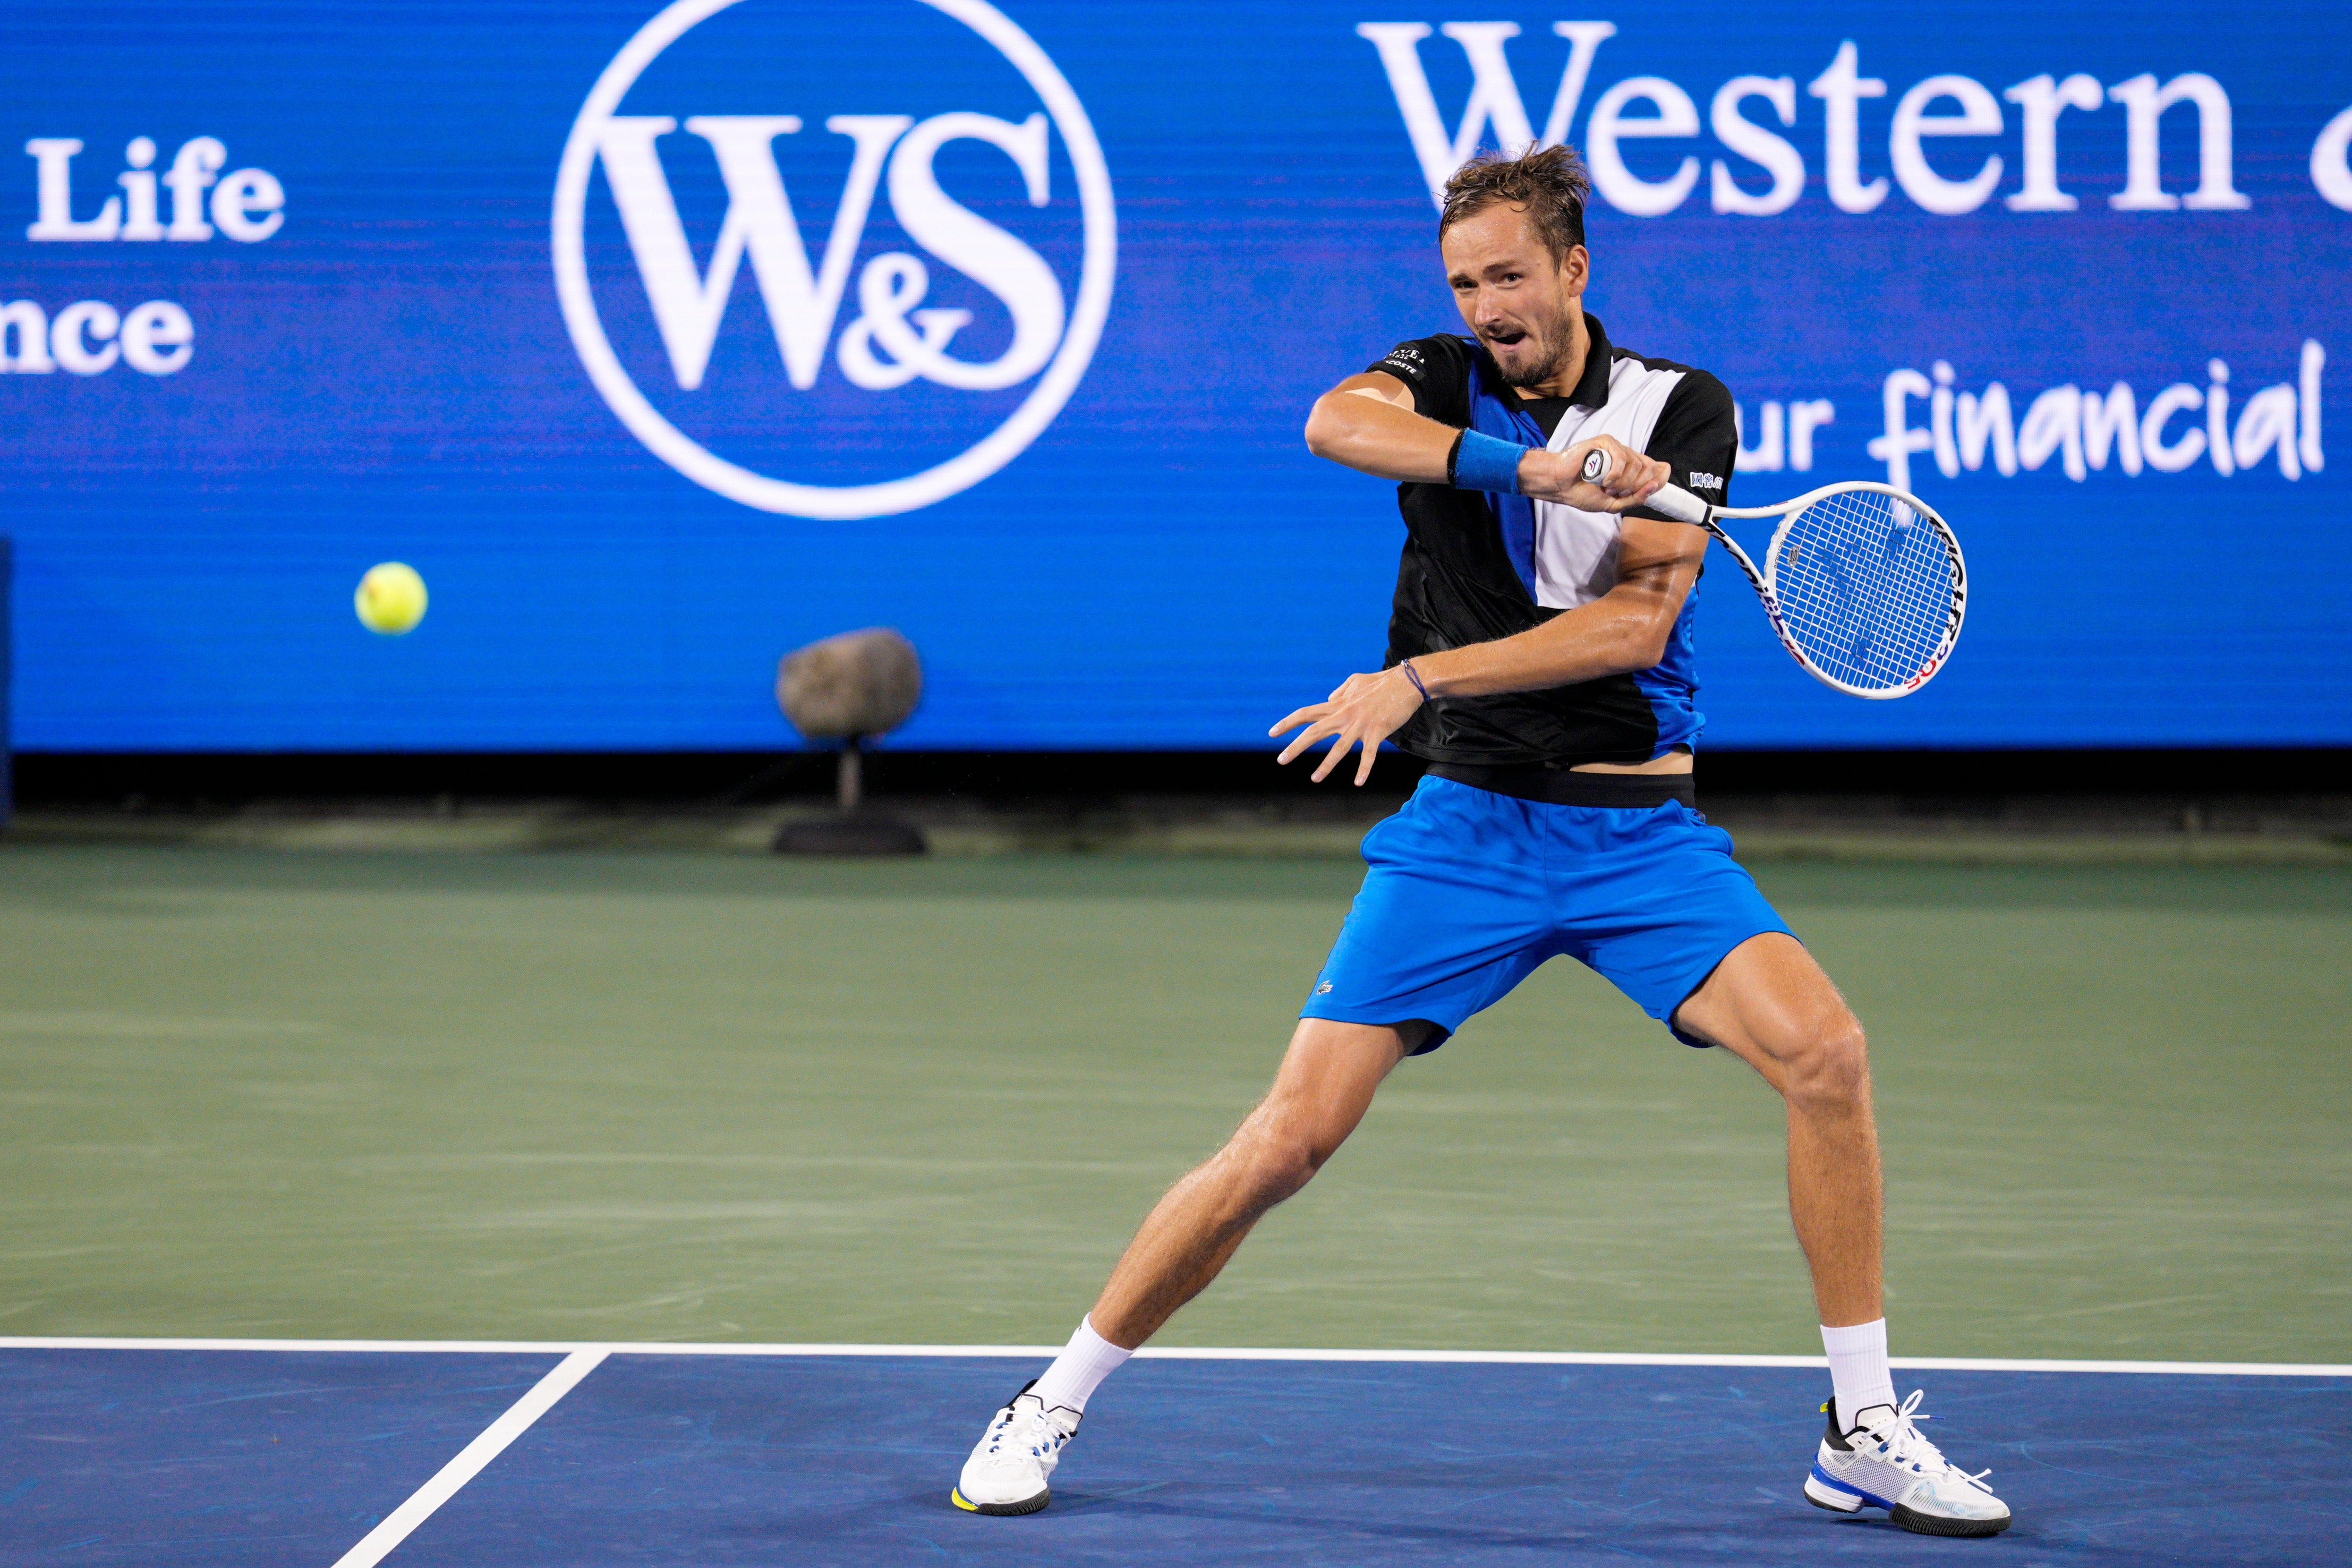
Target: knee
1274, 1162
1829, 1068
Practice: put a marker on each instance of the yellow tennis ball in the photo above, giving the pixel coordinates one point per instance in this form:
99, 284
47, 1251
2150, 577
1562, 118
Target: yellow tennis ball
391, 598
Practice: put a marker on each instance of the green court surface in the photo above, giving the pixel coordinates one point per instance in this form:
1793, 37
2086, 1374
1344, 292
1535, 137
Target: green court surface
653, 1097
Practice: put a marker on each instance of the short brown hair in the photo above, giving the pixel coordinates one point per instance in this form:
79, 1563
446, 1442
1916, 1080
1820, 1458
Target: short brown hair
1549, 181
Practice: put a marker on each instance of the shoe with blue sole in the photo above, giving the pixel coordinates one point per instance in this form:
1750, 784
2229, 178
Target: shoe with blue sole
1882, 1460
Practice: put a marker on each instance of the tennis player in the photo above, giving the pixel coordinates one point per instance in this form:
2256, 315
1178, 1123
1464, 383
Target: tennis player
1540, 663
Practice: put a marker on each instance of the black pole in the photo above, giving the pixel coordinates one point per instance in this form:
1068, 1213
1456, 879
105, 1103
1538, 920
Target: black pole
851, 829
849, 782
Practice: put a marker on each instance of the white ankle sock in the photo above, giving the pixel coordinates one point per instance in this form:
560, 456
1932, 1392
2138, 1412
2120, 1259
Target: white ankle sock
1858, 1370
1079, 1370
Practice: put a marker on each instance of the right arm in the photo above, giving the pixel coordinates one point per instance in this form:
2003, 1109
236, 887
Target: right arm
1366, 422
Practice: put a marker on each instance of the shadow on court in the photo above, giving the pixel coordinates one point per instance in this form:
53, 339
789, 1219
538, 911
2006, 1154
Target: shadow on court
185, 1458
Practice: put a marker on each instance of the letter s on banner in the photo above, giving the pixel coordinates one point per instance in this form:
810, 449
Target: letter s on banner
1752, 142
977, 247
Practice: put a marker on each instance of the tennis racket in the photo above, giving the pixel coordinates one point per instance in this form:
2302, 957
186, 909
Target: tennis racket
1863, 585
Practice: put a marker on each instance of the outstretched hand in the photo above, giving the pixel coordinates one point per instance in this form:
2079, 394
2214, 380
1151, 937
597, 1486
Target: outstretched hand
1364, 711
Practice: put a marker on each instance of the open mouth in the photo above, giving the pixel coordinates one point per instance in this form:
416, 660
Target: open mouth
1506, 337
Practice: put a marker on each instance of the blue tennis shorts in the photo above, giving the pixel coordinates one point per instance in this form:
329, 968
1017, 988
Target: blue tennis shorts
1469, 891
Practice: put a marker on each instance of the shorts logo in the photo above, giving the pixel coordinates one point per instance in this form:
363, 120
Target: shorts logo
935, 353
1324, 989
1705, 481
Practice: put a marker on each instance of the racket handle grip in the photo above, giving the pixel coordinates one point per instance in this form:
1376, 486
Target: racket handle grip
1672, 500
1679, 504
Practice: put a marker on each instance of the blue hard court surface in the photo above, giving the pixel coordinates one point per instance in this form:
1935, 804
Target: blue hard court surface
694, 1459
213, 1456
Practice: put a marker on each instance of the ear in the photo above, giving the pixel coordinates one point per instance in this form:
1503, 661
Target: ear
1576, 271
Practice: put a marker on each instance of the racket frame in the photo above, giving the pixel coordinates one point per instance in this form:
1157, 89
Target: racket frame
1684, 507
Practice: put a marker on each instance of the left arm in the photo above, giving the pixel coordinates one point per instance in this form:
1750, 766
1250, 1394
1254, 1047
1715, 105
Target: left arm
1624, 630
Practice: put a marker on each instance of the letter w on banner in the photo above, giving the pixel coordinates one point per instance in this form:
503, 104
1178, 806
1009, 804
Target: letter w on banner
1493, 94
802, 302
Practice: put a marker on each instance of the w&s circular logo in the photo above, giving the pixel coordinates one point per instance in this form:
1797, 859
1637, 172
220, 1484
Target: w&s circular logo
833, 261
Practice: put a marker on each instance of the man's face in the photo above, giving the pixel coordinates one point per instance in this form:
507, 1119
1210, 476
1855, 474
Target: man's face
1518, 300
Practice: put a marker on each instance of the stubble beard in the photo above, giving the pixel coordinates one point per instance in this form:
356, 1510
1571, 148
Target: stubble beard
1534, 374
1537, 371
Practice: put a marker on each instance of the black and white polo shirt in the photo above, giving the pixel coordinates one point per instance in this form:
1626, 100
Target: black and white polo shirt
1456, 584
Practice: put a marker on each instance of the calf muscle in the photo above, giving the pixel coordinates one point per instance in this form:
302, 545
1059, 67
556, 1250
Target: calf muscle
1769, 1003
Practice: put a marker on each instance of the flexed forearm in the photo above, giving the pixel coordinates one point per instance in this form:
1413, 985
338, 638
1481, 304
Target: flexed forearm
1364, 430
1615, 635
1367, 424
1624, 630
1596, 639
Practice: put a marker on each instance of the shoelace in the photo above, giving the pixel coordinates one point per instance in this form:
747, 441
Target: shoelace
1046, 1431
1906, 1447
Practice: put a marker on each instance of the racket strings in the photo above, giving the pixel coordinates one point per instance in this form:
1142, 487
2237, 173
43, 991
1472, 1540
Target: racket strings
1866, 588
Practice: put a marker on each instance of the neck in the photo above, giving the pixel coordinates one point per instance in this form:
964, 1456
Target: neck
1570, 369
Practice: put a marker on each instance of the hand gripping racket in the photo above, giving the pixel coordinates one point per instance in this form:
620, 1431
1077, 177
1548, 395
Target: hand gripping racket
1863, 584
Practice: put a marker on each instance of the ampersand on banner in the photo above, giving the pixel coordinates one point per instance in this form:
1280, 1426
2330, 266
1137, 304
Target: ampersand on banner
891, 285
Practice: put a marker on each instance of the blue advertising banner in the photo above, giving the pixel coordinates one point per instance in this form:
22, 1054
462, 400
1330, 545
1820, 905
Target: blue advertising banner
661, 341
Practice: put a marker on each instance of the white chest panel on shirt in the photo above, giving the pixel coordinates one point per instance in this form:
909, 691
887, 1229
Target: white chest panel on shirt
1576, 550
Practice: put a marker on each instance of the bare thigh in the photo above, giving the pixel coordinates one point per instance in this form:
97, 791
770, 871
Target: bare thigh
1769, 1004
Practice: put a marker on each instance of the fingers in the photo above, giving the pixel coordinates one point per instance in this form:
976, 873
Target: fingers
1619, 485
1343, 738
1628, 479
1315, 717
1643, 475
1345, 741
1631, 475
1300, 716
1340, 749
1316, 732
1365, 711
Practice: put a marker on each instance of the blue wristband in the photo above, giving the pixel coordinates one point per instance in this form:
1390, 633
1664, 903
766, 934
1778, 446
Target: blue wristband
1481, 462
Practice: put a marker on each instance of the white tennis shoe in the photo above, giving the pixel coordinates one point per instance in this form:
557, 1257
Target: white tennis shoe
1882, 1461
1009, 1469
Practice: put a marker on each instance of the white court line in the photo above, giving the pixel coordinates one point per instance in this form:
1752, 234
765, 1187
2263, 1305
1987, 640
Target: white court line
1183, 1352
400, 1521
